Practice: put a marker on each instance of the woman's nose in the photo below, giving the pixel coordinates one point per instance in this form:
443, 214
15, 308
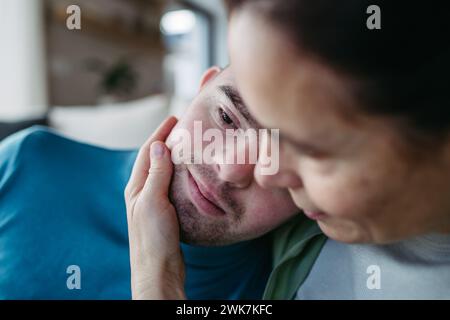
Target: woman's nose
281, 179
285, 177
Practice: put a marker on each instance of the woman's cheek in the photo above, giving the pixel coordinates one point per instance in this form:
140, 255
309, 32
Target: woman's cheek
338, 196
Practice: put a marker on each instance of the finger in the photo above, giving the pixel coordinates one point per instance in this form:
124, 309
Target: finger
160, 173
142, 163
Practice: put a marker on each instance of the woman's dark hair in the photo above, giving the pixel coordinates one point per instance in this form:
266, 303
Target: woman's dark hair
403, 68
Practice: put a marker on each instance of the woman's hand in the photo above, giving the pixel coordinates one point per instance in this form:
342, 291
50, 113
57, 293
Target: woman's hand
157, 269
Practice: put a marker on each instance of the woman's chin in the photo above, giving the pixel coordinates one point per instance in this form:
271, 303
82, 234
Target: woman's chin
345, 232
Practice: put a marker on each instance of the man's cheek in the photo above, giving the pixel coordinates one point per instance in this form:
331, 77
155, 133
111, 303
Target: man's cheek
174, 135
264, 215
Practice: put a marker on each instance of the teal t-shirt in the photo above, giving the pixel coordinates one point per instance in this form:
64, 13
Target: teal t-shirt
62, 205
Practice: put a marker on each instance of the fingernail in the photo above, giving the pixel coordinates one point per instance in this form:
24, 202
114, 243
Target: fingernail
157, 150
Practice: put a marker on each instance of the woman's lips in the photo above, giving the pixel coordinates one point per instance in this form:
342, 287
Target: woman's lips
314, 215
200, 199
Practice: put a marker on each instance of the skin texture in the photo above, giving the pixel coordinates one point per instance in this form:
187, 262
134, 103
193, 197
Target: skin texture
250, 209
157, 269
342, 167
157, 204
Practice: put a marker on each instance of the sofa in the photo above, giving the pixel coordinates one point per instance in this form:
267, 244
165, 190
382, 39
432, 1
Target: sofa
124, 125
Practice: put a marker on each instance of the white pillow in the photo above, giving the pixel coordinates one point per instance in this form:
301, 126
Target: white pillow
117, 126
178, 106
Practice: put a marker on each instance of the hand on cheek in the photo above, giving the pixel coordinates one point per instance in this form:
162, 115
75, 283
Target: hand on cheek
157, 269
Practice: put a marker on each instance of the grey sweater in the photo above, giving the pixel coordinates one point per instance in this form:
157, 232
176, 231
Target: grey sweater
417, 268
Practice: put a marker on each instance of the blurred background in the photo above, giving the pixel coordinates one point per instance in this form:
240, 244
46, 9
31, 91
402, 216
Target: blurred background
110, 83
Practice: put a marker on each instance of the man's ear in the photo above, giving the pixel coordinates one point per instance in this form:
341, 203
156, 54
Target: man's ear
208, 75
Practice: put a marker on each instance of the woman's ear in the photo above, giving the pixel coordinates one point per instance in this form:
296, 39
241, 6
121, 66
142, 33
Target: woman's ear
208, 75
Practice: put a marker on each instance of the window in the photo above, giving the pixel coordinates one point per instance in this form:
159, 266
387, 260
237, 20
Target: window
187, 32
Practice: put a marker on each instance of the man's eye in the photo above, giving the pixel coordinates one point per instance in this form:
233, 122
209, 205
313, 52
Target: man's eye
224, 117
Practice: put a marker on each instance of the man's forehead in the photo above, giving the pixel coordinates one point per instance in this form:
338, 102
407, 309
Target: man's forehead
224, 84
226, 77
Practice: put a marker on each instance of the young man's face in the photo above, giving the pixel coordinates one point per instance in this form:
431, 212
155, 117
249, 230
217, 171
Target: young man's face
221, 203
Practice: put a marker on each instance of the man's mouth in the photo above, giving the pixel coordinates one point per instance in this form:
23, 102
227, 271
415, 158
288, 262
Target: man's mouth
203, 199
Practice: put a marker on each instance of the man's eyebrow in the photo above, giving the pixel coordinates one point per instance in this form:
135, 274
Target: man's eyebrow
236, 99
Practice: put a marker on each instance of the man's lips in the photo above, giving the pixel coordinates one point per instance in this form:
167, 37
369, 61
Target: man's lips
202, 198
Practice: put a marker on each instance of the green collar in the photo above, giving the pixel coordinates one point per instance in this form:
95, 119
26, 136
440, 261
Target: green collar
297, 245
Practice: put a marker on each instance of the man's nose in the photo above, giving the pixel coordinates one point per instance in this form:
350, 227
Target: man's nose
239, 175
